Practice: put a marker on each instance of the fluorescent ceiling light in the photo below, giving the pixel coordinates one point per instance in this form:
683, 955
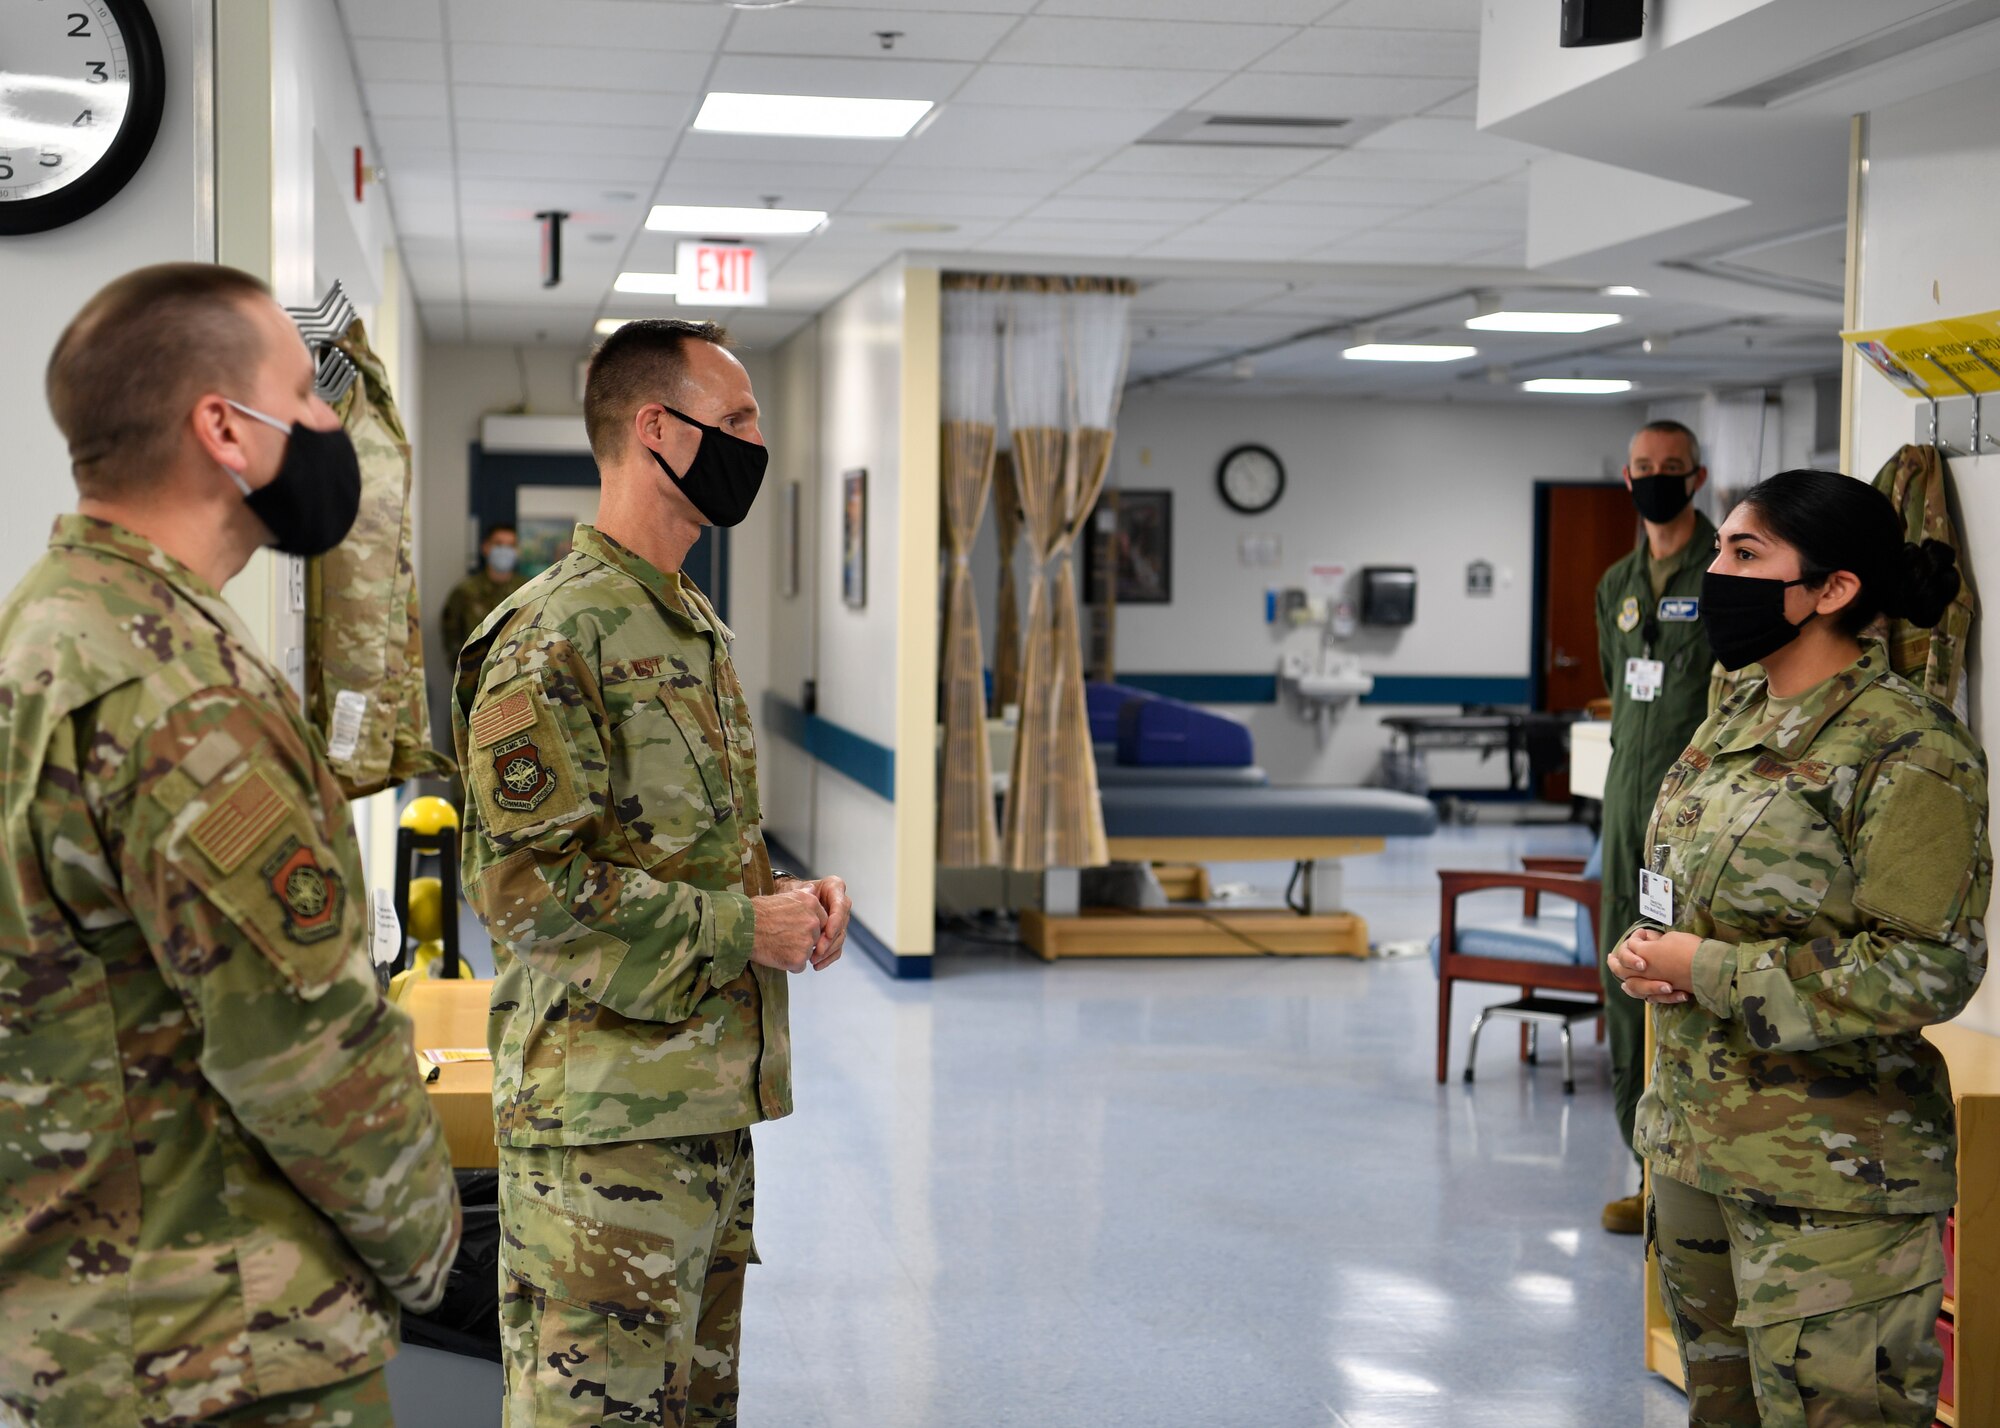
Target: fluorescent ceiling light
1578, 386
1622, 290
1405, 352
1542, 321
666, 283
608, 325
734, 222
810, 116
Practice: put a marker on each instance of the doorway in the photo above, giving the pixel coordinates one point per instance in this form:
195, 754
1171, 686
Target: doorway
1581, 530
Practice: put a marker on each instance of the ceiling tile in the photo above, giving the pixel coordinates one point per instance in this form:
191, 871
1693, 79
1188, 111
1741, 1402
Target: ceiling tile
1139, 44
1102, 184
575, 67
1276, 12
423, 214
592, 105
1125, 210
769, 177
932, 204
1461, 106
1329, 188
619, 171
1051, 138
1409, 14
1045, 84
392, 19
1026, 183
940, 7
683, 29
854, 34
396, 99
1452, 218
1397, 164
1325, 95
1430, 53
1306, 217
766, 149
1210, 159
397, 136
847, 78
1245, 247
600, 139
421, 61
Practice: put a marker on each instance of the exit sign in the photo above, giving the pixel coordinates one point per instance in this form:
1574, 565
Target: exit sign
721, 275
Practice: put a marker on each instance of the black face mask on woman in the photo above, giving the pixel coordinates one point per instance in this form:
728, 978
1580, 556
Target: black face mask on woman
310, 505
1661, 498
723, 479
1744, 617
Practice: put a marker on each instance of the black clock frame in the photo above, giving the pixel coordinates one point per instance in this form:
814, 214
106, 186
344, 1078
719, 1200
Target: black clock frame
122, 160
1222, 485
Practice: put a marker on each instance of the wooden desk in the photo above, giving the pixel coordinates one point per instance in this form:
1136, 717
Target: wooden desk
454, 1014
1974, 1308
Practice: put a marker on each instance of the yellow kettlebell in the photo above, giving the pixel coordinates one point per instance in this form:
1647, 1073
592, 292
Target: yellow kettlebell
428, 815
426, 922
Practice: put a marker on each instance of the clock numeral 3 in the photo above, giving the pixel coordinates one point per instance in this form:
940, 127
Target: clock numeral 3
79, 26
97, 72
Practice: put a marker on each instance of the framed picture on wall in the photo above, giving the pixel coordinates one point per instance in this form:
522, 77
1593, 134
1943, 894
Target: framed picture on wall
788, 528
1141, 551
546, 518
854, 538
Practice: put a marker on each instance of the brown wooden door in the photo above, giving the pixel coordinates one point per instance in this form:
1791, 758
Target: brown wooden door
1589, 529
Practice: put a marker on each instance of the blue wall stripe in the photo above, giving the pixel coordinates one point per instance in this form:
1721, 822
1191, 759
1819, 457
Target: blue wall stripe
868, 763
1389, 688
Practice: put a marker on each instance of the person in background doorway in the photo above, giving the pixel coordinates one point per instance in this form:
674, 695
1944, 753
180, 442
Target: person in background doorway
1818, 877
480, 593
1656, 665
220, 1176
614, 848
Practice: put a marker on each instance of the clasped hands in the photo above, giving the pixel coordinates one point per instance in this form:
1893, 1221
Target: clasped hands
1655, 966
802, 922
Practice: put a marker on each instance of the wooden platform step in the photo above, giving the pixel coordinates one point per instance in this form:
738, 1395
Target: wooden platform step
1175, 932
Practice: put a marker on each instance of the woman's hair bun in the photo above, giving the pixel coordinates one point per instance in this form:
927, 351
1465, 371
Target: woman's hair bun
1925, 584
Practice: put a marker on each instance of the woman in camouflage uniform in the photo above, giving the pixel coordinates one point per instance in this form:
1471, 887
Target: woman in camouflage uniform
1814, 896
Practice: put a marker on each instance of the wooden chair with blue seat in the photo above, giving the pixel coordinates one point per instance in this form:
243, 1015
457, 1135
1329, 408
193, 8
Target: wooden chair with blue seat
1538, 952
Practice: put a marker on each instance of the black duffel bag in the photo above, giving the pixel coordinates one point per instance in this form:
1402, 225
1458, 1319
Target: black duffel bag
468, 1321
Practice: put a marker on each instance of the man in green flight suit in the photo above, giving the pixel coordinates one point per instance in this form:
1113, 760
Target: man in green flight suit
219, 1172
641, 936
1656, 664
480, 593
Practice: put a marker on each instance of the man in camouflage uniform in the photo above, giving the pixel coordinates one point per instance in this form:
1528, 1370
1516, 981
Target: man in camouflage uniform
640, 935
1831, 871
480, 593
1648, 623
219, 1173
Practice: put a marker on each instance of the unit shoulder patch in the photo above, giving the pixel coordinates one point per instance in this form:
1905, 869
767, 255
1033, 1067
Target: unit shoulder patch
309, 895
523, 778
247, 815
1628, 614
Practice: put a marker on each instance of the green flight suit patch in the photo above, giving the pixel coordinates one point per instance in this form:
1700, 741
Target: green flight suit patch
1628, 614
308, 894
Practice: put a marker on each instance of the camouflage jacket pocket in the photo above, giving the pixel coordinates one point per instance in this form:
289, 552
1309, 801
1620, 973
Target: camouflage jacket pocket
670, 779
521, 765
604, 1269
1781, 857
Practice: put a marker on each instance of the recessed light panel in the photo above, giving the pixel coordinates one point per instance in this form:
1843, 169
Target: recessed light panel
735, 222
607, 325
1578, 386
810, 116
1407, 352
1543, 321
664, 283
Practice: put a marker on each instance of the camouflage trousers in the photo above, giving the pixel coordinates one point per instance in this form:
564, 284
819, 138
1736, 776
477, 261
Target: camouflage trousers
621, 1280
1797, 1318
354, 1403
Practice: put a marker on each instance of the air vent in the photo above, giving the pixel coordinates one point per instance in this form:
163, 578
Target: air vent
1262, 131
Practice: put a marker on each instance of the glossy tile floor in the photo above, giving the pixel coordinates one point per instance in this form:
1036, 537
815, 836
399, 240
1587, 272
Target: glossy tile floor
1179, 1193
1189, 1193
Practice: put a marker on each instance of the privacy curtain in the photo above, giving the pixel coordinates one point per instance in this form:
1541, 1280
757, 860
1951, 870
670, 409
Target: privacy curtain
1065, 354
1007, 620
966, 834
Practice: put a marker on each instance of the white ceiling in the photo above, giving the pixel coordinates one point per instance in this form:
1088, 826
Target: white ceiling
488, 111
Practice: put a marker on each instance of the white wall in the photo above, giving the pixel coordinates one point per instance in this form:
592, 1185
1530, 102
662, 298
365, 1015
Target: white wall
1930, 205
791, 426
165, 214
1434, 485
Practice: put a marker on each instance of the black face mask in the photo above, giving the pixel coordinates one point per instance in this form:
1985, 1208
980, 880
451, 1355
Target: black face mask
1661, 498
310, 505
722, 480
1744, 617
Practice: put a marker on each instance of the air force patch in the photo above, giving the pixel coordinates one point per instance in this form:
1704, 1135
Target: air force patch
1681, 609
524, 778
1628, 614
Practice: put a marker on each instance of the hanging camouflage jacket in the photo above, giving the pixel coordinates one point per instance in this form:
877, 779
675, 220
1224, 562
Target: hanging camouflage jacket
1918, 484
1831, 852
364, 640
612, 846
218, 1169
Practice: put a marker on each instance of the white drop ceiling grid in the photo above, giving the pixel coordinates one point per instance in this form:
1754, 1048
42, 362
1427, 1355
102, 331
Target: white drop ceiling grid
488, 111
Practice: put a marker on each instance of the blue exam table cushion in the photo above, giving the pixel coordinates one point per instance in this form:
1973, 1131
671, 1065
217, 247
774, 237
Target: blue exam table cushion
1102, 702
1115, 775
1193, 811
1165, 733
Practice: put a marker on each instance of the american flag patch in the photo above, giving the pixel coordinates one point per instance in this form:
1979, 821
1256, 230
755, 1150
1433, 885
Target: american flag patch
497, 721
229, 832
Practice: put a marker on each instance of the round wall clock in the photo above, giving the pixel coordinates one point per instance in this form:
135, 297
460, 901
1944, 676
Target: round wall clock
1251, 478
82, 87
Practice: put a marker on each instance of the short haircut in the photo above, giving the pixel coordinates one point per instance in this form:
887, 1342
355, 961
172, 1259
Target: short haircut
643, 361
1674, 428
130, 365
495, 529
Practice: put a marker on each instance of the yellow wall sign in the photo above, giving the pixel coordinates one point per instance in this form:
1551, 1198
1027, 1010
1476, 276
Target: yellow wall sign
1922, 359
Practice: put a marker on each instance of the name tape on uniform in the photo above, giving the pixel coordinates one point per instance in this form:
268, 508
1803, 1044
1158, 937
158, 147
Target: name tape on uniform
1680, 609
